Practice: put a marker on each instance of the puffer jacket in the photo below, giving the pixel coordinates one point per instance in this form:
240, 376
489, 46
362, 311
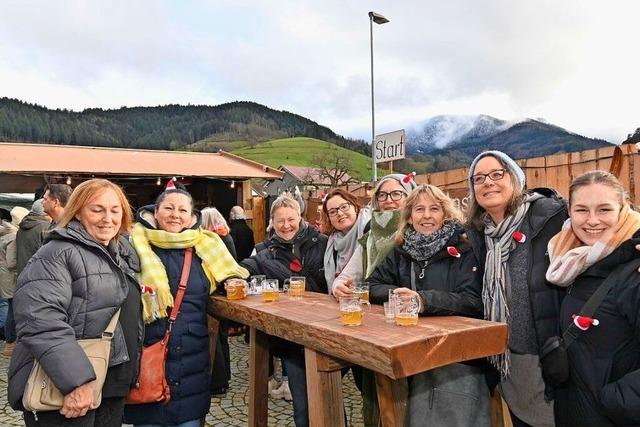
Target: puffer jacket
7, 259
274, 258
544, 218
188, 366
29, 238
449, 285
69, 290
604, 385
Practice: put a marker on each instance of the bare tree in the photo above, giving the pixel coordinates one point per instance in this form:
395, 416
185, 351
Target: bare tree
333, 167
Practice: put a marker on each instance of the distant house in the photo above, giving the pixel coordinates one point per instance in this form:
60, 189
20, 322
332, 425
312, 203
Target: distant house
306, 178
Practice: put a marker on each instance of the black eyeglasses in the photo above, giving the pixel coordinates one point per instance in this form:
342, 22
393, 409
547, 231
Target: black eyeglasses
396, 195
342, 208
495, 175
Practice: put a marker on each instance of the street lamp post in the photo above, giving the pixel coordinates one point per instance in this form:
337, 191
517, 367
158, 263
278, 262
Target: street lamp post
378, 19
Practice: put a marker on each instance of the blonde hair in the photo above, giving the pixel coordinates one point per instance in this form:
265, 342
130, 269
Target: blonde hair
212, 220
283, 201
86, 191
451, 212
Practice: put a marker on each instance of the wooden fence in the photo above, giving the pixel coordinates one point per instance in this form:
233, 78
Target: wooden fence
554, 171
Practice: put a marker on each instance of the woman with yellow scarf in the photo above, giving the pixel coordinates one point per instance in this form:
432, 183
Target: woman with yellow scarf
161, 237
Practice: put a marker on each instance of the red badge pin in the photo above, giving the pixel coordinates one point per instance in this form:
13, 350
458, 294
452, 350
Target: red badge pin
519, 236
584, 322
295, 265
451, 250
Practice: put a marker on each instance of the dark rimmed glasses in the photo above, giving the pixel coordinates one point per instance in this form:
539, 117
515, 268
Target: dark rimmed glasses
395, 195
495, 175
342, 208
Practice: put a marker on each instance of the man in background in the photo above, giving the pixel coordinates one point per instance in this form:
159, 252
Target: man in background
54, 201
241, 233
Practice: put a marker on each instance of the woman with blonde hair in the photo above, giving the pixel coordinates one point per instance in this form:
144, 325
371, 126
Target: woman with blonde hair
594, 249
70, 290
292, 248
433, 262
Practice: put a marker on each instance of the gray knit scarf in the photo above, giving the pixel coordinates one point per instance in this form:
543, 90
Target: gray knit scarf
422, 247
499, 242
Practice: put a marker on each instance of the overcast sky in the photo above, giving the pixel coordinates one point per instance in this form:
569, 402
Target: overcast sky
572, 62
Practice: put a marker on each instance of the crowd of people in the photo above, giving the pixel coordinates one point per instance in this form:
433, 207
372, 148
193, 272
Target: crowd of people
524, 257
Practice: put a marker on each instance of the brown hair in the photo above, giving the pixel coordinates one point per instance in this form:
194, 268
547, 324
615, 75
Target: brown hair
599, 177
327, 227
451, 212
475, 212
86, 191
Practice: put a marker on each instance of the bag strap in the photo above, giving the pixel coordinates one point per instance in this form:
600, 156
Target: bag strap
111, 327
182, 287
592, 304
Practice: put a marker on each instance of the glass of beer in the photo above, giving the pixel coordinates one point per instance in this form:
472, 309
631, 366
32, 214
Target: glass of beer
406, 312
270, 290
351, 310
255, 284
294, 286
362, 290
235, 289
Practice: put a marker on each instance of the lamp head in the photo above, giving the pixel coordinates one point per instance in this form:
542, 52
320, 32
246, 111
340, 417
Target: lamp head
377, 18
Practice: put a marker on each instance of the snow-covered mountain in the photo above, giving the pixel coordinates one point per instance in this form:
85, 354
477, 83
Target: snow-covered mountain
441, 131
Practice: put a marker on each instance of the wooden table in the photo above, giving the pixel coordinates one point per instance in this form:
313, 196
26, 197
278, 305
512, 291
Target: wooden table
393, 352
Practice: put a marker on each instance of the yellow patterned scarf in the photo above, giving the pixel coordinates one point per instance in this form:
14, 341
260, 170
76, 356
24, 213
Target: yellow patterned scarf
217, 262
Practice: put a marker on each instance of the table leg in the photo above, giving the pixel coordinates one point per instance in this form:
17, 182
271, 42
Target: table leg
324, 392
258, 378
392, 399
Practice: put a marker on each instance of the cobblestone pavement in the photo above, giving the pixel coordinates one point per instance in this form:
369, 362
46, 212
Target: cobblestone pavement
228, 410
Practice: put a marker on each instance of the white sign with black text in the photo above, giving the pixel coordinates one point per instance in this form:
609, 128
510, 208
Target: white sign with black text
389, 146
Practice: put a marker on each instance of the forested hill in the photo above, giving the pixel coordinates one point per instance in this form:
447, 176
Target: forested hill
169, 127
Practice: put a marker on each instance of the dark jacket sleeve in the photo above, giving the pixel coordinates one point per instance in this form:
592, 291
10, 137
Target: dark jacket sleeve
621, 398
385, 277
464, 299
231, 247
40, 303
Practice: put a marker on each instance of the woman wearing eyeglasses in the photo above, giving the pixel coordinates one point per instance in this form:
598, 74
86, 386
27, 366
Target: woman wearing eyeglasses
509, 229
344, 222
388, 200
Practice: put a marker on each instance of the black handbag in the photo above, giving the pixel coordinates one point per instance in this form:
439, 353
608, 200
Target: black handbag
554, 358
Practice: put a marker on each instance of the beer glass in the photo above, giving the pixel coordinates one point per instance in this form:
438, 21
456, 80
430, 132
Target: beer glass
351, 310
255, 284
294, 286
235, 289
407, 308
362, 290
270, 290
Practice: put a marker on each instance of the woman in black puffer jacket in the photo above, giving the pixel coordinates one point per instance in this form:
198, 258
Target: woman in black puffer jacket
433, 260
69, 290
293, 248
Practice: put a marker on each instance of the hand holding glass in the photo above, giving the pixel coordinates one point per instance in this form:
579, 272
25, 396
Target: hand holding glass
406, 310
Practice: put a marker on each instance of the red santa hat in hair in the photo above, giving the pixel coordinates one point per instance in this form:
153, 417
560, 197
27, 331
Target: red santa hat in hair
171, 185
584, 322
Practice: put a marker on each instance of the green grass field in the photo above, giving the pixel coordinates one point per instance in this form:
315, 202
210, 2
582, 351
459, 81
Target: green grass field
301, 152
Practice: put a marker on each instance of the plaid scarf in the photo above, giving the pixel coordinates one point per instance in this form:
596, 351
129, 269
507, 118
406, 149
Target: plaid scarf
217, 263
570, 257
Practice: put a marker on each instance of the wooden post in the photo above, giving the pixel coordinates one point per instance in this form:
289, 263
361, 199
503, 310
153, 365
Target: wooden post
323, 389
392, 399
258, 378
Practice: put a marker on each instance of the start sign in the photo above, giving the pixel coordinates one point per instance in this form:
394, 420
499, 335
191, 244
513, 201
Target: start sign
389, 146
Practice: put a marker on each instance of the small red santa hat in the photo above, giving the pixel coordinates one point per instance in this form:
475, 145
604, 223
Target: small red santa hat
584, 322
451, 250
408, 177
519, 236
171, 185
